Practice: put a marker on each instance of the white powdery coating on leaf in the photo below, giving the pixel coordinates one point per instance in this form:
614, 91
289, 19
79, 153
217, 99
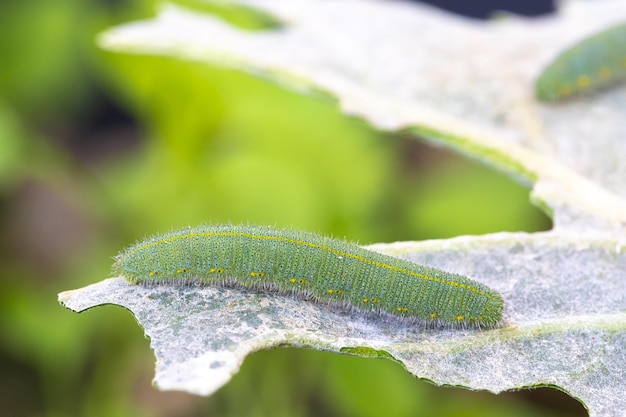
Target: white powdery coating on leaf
574, 337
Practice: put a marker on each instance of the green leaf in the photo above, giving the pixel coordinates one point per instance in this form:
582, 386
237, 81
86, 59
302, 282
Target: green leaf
462, 84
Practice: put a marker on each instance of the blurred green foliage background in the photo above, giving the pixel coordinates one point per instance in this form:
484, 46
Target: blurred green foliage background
100, 149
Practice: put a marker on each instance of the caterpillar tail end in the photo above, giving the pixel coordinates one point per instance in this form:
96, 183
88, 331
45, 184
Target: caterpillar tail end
493, 310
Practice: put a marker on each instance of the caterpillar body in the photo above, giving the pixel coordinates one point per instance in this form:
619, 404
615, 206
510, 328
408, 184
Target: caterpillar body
320, 268
594, 63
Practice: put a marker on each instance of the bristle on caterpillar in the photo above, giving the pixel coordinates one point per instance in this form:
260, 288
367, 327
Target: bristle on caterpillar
320, 268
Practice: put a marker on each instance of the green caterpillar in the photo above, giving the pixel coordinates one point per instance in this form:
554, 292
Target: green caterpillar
317, 267
594, 63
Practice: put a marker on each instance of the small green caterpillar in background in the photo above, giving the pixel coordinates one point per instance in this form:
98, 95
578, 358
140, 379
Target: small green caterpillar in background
317, 267
594, 63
